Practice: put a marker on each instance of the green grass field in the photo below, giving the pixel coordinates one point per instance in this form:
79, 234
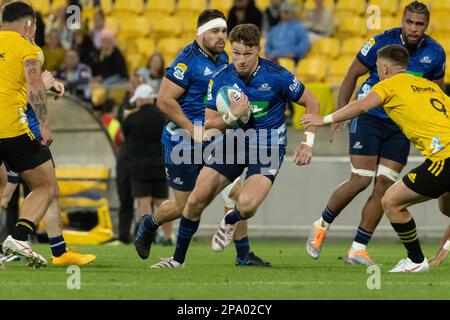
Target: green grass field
119, 274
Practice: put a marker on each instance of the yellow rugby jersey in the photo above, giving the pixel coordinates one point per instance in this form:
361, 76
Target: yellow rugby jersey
421, 109
14, 51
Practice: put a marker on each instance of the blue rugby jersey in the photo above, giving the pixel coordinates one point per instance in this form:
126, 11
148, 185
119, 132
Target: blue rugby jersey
427, 61
192, 70
268, 89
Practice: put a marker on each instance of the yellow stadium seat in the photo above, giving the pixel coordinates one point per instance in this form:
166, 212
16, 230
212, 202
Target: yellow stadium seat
166, 26
56, 4
43, 6
221, 5
262, 4
190, 6
171, 46
135, 61
328, 47
145, 46
387, 7
312, 69
439, 22
159, 6
351, 46
310, 4
338, 69
189, 22
113, 24
136, 26
287, 63
386, 22
358, 7
352, 26
107, 6
440, 5
128, 7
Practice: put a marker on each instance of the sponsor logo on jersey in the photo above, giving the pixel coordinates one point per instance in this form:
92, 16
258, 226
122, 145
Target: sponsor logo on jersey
421, 89
2, 56
180, 69
426, 60
365, 50
264, 87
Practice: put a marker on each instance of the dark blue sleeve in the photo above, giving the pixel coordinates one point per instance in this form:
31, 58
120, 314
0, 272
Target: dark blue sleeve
180, 71
439, 69
368, 53
292, 87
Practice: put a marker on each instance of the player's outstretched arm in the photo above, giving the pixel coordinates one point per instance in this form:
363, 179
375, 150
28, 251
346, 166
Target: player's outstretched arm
356, 70
167, 102
37, 97
350, 111
443, 251
303, 152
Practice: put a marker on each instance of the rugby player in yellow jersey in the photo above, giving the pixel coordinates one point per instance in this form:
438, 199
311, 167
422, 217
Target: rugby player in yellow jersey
422, 110
20, 81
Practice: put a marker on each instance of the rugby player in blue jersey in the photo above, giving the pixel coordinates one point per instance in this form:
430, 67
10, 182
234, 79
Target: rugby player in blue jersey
182, 99
378, 148
265, 87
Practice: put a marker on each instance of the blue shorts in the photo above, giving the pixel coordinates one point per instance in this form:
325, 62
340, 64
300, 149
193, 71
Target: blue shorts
181, 176
263, 161
372, 136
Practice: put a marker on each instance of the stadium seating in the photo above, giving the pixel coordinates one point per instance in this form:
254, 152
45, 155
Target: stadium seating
351, 46
352, 26
166, 26
312, 69
190, 7
310, 4
338, 69
440, 6
287, 63
387, 7
159, 7
222, 5
43, 6
107, 6
262, 4
356, 7
327, 47
56, 4
128, 7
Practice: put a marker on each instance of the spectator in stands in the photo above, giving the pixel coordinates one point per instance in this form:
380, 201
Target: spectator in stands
109, 67
99, 25
142, 128
58, 21
319, 21
54, 53
244, 11
111, 124
123, 182
76, 76
271, 16
289, 38
83, 44
154, 72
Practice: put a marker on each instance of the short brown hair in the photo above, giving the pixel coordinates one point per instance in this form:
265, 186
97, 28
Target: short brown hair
396, 54
246, 33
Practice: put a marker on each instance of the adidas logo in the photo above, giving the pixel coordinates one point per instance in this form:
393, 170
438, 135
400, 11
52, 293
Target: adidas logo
412, 177
207, 72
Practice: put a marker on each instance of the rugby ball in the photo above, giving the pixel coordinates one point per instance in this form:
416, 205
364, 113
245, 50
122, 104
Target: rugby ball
223, 102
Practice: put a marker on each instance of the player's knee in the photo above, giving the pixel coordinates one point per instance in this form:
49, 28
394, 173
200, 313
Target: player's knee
359, 182
444, 204
382, 183
247, 207
197, 202
387, 204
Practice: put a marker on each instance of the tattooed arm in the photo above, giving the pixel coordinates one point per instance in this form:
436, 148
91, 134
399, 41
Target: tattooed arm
37, 97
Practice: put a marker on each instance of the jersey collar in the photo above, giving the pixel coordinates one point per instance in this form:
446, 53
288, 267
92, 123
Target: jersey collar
203, 53
407, 45
253, 75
